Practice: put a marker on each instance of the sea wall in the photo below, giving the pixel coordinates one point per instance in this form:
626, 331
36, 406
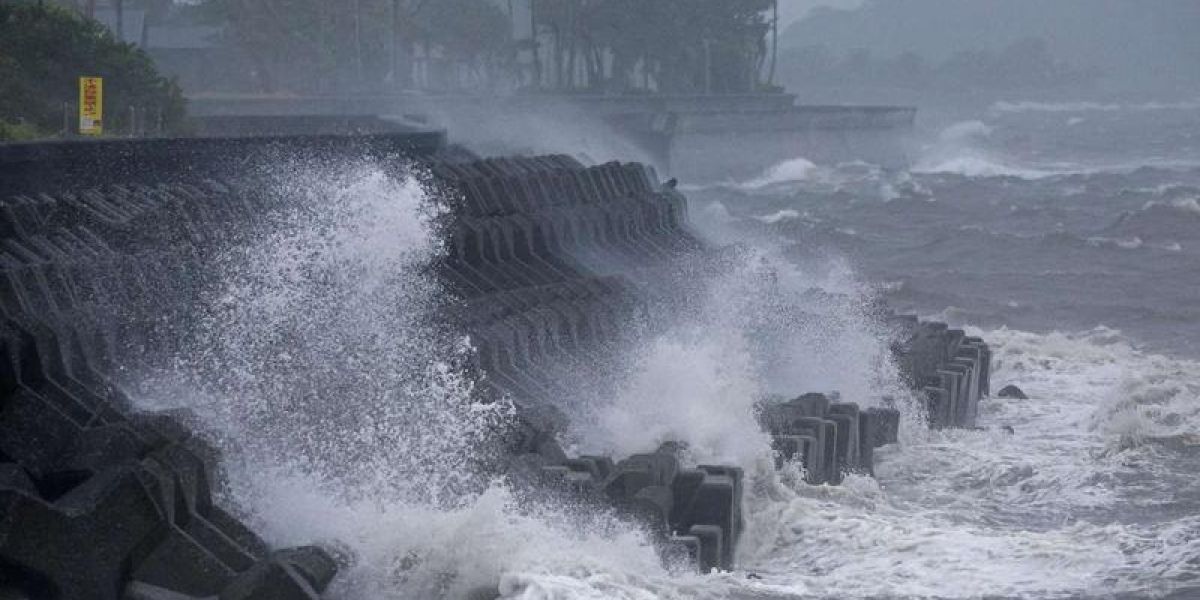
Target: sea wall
693, 137
43, 167
547, 264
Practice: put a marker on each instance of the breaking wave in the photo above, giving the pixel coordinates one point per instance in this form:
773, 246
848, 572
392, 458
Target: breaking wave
961, 149
1034, 106
981, 506
796, 169
786, 214
348, 417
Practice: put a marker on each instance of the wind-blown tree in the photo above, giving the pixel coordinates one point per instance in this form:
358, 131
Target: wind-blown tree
44, 49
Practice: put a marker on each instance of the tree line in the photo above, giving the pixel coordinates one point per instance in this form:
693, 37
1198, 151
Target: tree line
45, 48
609, 46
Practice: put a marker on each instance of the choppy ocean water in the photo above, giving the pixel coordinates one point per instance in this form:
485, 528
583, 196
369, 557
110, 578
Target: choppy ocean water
1068, 236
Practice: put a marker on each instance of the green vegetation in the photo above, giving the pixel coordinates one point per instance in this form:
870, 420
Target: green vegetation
44, 49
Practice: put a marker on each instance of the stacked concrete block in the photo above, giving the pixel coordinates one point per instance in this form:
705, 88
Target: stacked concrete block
543, 251
549, 257
96, 500
952, 370
828, 438
692, 514
949, 370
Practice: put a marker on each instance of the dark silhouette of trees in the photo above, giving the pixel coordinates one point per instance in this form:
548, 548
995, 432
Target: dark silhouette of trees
45, 48
593, 46
671, 46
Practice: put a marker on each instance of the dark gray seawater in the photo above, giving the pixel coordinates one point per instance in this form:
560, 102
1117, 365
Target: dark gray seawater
1068, 235
1038, 218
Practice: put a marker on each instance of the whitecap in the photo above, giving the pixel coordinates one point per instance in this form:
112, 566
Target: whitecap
788, 171
786, 214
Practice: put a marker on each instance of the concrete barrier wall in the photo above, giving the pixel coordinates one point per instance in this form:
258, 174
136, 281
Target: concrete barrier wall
46, 167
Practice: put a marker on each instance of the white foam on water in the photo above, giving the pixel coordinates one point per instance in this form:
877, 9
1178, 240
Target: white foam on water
1130, 243
693, 387
786, 214
802, 175
977, 166
406, 550
322, 344
960, 149
1186, 206
960, 514
1032, 106
957, 514
1086, 106
788, 171
764, 327
345, 418
964, 149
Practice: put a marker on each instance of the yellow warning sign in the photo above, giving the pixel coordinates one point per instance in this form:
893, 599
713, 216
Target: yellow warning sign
91, 105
